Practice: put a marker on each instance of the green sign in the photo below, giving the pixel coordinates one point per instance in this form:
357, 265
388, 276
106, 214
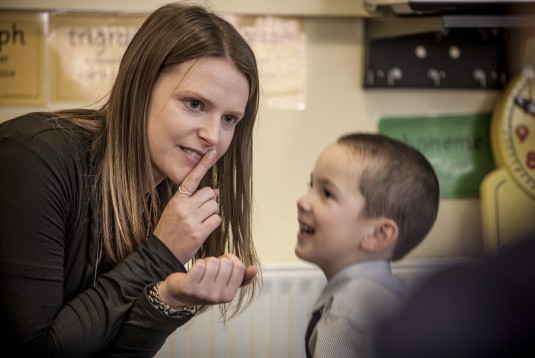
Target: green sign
458, 147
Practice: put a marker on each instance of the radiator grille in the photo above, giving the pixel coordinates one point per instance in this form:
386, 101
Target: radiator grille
274, 326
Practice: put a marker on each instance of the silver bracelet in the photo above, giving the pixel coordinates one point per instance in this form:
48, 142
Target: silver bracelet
156, 302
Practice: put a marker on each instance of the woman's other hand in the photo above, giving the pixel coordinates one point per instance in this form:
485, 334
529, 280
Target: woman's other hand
212, 280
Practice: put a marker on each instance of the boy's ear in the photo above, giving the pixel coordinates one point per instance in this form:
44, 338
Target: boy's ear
383, 236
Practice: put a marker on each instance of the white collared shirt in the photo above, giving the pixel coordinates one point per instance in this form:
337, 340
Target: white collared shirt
353, 302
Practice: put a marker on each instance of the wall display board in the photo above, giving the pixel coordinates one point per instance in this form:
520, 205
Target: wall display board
22, 58
85, 52
458, 147
76, 55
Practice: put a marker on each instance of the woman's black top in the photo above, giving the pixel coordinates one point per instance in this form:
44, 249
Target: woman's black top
48, 248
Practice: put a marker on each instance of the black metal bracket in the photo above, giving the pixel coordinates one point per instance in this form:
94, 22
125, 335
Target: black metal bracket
421, 53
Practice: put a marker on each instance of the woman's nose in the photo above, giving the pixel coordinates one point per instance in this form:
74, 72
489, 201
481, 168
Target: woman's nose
209, 130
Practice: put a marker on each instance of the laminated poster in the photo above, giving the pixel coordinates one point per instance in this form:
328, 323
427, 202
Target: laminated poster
85, 52
279, 44
458, 147
22, 58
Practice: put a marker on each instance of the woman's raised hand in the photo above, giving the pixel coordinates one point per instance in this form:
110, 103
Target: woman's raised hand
191, 214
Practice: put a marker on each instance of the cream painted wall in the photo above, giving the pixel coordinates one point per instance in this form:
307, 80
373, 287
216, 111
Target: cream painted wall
288, 141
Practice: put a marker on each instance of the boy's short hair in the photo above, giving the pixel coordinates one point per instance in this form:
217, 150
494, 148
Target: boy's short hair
397, 182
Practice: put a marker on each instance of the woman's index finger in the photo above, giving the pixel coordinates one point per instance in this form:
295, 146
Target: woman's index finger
192, 180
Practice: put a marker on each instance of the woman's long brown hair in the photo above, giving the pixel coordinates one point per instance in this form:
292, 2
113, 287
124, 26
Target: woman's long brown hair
171, 35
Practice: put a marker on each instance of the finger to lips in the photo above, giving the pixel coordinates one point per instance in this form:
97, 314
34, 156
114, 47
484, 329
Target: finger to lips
191, 182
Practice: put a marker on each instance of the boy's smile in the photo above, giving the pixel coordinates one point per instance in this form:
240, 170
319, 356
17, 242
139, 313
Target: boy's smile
330, 224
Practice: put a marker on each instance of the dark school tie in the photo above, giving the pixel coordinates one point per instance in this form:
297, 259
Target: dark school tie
311, 324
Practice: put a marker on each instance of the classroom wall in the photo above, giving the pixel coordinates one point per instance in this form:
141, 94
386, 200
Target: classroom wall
287, 141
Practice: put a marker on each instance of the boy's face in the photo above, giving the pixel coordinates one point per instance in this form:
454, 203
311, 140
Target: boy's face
330, 225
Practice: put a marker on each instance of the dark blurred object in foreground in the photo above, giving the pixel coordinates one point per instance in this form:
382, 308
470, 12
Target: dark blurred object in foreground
484, 309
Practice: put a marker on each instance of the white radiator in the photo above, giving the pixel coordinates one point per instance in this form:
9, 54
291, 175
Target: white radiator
274, 326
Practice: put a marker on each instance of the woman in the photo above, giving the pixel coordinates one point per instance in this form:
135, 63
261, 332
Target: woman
102, 209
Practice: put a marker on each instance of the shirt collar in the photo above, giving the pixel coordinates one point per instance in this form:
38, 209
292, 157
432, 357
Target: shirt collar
370, 268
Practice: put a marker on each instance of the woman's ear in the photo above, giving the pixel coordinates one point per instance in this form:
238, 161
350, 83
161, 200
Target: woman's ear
382, 236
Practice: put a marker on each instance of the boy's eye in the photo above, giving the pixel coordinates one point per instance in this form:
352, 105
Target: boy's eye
327, 193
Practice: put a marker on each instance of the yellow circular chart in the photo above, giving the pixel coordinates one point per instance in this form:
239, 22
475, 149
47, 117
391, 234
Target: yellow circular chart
508, 193
513, 130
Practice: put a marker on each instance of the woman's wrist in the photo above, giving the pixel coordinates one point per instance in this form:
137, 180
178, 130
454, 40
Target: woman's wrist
156, 301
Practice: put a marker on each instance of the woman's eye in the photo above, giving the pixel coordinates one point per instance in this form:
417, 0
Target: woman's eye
194, 104
230, 119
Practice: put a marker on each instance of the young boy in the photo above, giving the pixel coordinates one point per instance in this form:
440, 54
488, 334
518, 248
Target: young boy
372, 199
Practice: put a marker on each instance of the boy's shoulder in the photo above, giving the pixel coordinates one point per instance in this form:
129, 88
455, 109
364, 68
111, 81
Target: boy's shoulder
368, 284
365, 299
